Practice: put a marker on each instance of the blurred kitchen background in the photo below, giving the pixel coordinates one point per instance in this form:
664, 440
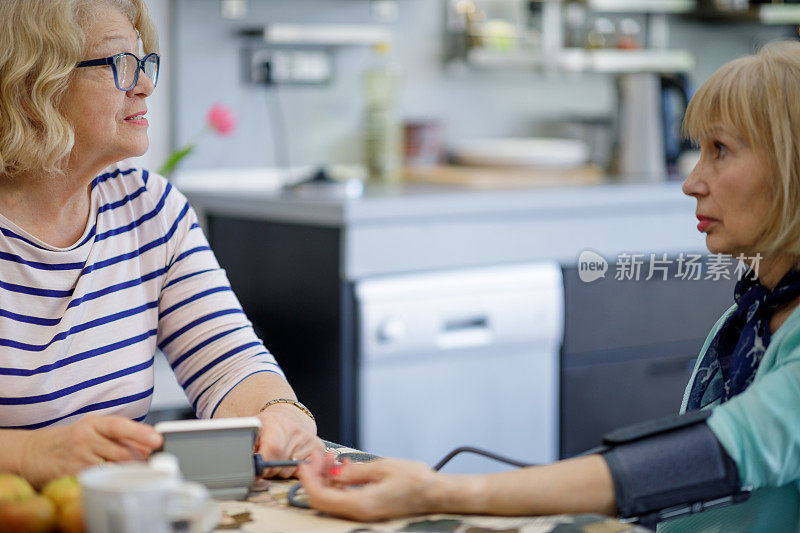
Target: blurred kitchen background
422, 291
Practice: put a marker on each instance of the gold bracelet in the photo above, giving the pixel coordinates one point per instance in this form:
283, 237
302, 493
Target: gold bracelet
291, 402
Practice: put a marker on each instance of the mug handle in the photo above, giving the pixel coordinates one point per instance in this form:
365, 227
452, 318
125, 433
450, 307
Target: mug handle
190, 501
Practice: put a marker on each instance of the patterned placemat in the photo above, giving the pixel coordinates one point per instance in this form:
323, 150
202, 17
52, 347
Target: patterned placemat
267, 510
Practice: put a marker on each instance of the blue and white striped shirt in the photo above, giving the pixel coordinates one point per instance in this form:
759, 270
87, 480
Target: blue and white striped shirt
79, 326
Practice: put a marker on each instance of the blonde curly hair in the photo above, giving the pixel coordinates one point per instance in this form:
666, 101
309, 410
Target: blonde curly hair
758, 96
41, 41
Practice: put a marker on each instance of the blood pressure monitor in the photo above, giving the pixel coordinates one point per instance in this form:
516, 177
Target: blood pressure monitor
217, 453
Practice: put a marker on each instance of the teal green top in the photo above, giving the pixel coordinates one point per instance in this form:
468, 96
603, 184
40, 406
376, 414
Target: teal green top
760, 430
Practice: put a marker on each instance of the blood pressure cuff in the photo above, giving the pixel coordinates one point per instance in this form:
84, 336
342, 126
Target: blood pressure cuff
670, 467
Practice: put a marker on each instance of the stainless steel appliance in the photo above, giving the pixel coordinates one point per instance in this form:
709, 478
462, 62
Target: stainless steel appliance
457, 358
650, 113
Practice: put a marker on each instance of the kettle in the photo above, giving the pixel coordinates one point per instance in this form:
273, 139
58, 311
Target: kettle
648, 139
676, 92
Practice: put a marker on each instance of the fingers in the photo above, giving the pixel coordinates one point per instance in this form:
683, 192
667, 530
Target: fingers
322, 495
137, 452
324, 468
271, 447
122, 429
348, 502
303, 447
114, 439
322, 465
110, 451
359, 474
66, 450
379, 490
284, 438
300, 448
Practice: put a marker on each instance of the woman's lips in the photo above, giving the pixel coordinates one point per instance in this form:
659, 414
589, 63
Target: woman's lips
704, 223
137, 119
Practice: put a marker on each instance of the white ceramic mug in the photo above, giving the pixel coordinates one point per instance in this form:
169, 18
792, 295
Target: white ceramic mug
136, 498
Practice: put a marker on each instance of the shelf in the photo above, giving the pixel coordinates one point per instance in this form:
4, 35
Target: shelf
779, 14
765, 14
641, 6
322, 34
625, 61
610, 61
771, 14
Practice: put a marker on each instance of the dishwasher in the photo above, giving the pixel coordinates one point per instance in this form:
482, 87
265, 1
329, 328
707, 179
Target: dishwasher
461, 358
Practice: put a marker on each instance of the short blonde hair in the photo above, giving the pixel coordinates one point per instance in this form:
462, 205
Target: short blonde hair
758, 96
41, 41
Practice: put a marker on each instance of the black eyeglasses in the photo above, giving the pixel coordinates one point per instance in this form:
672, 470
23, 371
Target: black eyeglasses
126, 68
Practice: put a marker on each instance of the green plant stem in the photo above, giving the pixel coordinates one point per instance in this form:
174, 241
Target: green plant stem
175, 157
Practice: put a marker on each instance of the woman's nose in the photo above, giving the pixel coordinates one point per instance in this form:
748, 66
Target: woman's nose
694, 185
144, 86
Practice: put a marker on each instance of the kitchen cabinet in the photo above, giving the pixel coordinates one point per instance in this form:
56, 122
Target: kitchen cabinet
629, 349
296, 259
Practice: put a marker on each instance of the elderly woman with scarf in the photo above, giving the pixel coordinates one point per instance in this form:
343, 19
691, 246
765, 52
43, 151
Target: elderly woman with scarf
738, 438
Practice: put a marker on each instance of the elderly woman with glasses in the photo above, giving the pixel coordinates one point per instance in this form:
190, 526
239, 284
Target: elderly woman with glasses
102, 263
737, 440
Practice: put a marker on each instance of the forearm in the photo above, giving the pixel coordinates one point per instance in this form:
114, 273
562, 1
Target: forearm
248, 397
287, 430
578, 485
13, 445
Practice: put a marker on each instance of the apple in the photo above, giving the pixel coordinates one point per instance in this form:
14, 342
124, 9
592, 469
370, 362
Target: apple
70, 517
14, 488
62, 490
36, 514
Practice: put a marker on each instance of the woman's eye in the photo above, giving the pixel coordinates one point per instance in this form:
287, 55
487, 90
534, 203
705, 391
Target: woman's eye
719, 149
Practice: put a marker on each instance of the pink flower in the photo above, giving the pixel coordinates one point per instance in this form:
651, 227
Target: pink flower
221, 119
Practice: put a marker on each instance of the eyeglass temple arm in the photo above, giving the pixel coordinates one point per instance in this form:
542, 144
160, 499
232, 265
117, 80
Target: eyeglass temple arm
95, 62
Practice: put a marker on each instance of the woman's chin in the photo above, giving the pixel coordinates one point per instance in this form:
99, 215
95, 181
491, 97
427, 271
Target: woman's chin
136, 146
716, 247
141, 148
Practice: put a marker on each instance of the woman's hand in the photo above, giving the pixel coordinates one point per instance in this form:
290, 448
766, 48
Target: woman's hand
390, 488
66, 450
286, 433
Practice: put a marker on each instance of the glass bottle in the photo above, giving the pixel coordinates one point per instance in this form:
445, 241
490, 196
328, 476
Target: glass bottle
383, 133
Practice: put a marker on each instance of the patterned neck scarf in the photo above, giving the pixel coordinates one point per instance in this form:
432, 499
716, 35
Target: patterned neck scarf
740, 343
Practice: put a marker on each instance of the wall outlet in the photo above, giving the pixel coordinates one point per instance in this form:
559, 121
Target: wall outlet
287, 66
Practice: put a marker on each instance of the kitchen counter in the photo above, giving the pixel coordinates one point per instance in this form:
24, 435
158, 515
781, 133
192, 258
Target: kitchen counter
427, 227
296, 258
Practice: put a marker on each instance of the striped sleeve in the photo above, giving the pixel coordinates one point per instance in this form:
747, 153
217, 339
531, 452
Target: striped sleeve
202, 328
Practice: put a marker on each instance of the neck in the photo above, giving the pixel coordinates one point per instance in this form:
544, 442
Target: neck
771, 269
53, 208
47, 194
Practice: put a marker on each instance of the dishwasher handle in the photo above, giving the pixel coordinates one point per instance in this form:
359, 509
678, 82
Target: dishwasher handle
465, 332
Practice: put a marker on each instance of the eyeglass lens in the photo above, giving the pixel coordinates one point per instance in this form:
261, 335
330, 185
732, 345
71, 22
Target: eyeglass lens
126, 66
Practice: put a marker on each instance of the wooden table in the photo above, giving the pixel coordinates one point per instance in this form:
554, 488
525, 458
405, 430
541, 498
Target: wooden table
267, 510
262, 516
